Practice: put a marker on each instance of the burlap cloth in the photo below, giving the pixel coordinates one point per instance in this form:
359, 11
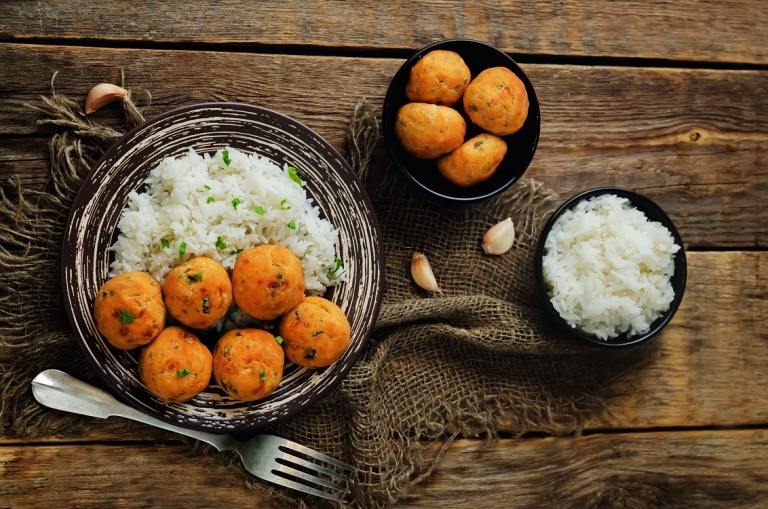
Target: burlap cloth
475, 360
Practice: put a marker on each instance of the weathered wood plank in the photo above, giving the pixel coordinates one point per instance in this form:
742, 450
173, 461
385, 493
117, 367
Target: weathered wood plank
693, 469
710, 358
94, 476
695, 141
709, 370
671, 469
730, 31
25, 159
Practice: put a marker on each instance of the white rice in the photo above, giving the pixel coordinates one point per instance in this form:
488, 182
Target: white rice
189, 202
608, 268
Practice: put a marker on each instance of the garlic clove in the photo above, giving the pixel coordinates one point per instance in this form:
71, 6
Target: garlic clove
499, 238
422, 274
103, 94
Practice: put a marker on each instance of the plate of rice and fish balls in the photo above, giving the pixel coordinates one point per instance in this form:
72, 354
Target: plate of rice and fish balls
461, 120
610, 267
221, 267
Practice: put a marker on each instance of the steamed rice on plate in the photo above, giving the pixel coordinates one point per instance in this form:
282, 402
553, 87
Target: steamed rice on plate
608, 269
198, 216
217, 206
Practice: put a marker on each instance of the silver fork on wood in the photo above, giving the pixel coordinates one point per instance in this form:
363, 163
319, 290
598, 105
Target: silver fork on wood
268, 457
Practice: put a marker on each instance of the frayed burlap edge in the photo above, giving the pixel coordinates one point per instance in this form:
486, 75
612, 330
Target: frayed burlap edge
32, 322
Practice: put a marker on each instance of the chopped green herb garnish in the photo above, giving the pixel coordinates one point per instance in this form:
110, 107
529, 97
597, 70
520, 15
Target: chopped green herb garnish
262, 375
206, 306
182, 248
220, 244
183, 372
164, 243
225, 157
333, 273
210, 199
259, 210
284, 205
292, 225
195, 277
293, 174
207, 187
126, 317
279, 340
235, 202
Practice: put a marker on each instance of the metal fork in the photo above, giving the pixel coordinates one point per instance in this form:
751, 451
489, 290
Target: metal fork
268, 457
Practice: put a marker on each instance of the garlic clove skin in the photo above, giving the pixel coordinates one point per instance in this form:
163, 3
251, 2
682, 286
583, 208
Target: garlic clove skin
103, 94
422, 274
499, 238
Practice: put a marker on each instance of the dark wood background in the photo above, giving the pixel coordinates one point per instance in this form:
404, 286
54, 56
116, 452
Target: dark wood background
668, 98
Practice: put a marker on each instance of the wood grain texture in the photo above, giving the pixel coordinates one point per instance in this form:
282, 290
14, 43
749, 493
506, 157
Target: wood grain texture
728, 31
725, 469
25, 159
710, 361
694, 141
665, 469
702, 374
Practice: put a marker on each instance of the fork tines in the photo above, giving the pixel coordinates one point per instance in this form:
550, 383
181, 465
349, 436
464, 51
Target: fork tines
307, 470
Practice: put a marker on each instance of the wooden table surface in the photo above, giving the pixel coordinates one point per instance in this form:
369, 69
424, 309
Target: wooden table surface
670, 99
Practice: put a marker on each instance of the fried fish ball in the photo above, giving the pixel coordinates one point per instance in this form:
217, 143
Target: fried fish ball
473, 162
267, 281
315, 333
129, 310
440, 77
248, 363
428, 131
176, 366
198, 293
496, 100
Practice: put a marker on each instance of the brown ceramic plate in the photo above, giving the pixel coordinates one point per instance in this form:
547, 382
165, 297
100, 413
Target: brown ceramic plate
92, 228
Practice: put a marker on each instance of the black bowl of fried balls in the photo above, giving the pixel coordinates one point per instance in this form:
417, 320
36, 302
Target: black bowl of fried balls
266, 285
461, 120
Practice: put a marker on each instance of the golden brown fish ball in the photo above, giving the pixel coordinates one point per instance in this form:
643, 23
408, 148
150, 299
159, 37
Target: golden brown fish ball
428, 131
176, 366
439, 77
248, 363
198, 292
267, 281
496, 100
315, 333
129, 310
474, 161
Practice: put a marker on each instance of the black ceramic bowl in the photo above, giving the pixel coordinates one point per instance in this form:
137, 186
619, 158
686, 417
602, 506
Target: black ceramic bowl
520, 146
652, 212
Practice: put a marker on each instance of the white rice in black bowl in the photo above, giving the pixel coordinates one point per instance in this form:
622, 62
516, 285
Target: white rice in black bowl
608, 268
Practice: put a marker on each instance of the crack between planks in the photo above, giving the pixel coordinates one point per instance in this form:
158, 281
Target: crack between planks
373, 52
642, 431
503, 435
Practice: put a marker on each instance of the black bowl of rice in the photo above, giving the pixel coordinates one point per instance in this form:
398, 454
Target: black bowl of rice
610, 267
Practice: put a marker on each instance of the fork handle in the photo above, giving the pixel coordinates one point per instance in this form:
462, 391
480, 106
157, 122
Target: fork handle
58, 390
